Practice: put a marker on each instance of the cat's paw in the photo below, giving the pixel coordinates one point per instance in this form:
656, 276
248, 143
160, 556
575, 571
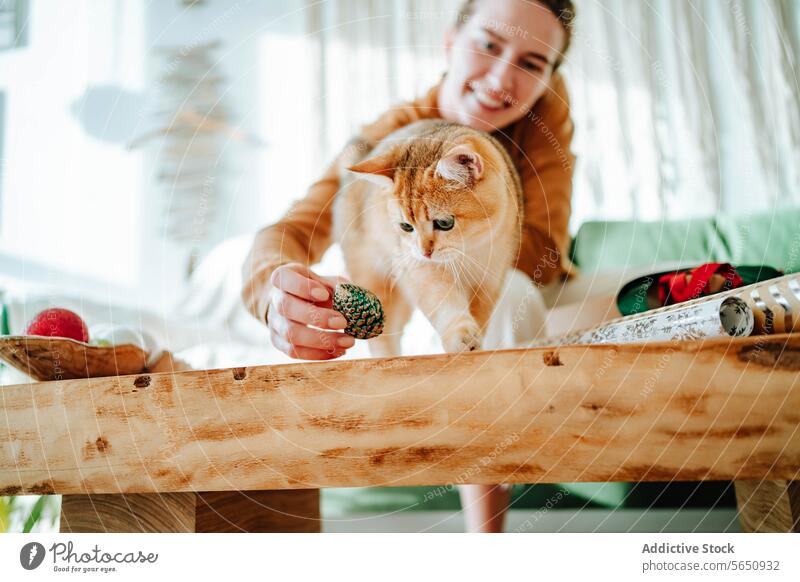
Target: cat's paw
466, 338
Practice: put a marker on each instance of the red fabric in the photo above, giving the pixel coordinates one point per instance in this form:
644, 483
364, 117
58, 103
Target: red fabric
673, 287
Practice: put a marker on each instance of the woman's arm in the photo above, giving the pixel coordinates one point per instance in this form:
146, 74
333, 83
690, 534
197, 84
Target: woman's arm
304, 233
546, 169
302, 236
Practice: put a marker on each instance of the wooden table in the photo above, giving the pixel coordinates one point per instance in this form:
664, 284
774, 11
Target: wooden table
171, 451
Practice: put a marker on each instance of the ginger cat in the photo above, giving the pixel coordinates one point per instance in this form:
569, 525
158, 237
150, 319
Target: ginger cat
430, 219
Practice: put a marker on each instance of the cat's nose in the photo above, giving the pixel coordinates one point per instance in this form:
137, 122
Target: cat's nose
427, 253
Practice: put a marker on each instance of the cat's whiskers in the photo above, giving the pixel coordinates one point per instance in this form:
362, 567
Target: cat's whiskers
400, 263
452, 260
460, 273
474, 279
396, 265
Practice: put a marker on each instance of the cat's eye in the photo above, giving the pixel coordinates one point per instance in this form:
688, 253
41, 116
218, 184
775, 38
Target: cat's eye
406, 227
444, 223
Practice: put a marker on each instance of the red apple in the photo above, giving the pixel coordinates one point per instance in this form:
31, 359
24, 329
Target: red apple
57, 322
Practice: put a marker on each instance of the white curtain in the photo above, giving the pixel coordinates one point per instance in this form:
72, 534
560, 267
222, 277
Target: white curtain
685, 108
368, 55
681, 107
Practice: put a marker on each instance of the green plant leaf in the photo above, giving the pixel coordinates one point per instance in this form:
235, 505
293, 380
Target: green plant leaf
36, 514
5, 513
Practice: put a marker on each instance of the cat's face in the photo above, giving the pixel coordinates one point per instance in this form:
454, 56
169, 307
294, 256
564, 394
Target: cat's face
439, 212
429, 234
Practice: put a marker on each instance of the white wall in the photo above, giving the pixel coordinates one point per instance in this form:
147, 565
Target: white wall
82, 212
71, 211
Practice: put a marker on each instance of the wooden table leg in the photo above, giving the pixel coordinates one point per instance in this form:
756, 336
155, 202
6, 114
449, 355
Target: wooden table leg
292, 511
128, 513
768, 506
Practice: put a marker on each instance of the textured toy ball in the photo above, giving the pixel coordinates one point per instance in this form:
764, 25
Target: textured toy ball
361, 308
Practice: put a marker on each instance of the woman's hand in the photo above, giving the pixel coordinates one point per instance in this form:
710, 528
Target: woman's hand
300, 298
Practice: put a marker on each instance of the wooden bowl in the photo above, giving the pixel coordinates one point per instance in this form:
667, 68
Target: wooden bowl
57, 358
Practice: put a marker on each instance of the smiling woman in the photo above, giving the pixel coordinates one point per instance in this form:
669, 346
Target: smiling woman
502, 59
526, 110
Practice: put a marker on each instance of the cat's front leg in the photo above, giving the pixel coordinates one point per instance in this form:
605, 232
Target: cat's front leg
443, 301
465, 336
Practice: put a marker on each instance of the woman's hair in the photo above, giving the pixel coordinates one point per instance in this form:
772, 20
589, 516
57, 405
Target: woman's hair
563, 10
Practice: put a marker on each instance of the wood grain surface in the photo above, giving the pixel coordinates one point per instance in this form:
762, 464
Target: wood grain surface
768, 506
211, 512
258, 512
713, 409
129, 513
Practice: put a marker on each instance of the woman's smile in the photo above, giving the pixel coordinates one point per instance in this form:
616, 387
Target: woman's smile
487, 99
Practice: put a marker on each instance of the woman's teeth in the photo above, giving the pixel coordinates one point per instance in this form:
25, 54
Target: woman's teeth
487, 100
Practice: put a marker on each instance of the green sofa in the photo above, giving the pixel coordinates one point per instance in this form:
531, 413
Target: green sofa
770, 238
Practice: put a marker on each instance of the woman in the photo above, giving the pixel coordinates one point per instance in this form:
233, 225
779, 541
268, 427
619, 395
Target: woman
502, 78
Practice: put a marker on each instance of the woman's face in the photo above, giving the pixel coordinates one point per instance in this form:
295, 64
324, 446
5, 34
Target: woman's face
499, 63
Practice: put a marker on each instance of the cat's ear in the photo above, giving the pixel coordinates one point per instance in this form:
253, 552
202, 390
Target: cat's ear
379, 170
462, 164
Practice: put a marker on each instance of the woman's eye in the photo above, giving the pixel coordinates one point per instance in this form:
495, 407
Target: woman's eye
406, 227
486, 44
444, 223
533, 67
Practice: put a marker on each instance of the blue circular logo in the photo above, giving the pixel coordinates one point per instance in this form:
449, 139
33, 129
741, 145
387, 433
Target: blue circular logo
31, 555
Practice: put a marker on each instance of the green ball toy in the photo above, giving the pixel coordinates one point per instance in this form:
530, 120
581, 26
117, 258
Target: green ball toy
361, 308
